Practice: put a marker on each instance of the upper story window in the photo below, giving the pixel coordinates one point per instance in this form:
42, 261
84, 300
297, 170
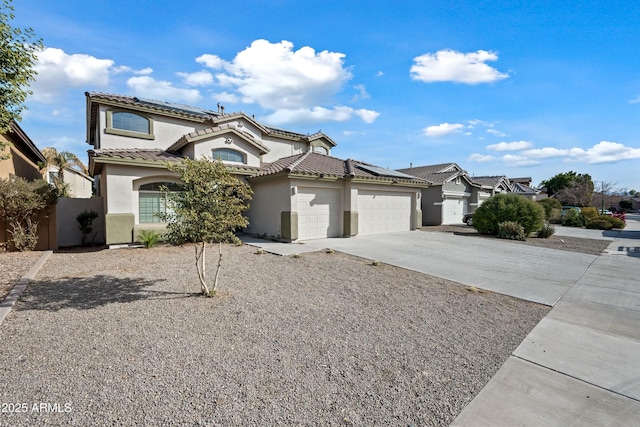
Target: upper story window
321, 150
125, 123
228, 155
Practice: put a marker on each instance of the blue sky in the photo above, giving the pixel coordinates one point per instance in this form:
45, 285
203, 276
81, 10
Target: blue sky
516, 88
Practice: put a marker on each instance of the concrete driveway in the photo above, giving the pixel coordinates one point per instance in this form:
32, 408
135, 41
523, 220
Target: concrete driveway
531, 273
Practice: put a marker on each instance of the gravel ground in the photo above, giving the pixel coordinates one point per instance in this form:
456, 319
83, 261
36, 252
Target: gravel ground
565, 243
120, 337
14, 265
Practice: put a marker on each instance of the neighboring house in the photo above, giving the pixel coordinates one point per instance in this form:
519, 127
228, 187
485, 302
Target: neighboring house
488, 186
522, 187
450, 193
300, 191
80, 184
24, 155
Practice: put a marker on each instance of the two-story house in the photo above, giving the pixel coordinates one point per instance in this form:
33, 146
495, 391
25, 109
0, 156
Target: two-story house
300, 190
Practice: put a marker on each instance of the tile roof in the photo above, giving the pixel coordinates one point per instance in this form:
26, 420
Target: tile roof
437, 174
516, 187
136, 154
154, 104
311, 163
185, 139
491, 181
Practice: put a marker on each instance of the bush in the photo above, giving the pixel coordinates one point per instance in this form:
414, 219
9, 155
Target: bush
546, 231
573, 218
589, 213
149, 238
599, 224
617, 221
552, 208
508, 207
20, 203
511, 230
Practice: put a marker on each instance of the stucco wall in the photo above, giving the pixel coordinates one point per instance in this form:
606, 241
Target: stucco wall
432, 206
251, 153
270, 198
67, 226
166, 130
18, 164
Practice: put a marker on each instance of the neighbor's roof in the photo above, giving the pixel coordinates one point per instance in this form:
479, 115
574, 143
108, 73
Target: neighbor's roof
437, 174
315, 164
492, 181
516, 187
23, 143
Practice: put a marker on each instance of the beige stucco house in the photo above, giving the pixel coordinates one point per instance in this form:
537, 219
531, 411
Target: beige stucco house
80, 184
23, 157
300, 190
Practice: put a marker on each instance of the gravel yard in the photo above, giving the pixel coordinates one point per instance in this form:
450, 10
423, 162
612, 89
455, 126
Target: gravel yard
120, 337
14, 265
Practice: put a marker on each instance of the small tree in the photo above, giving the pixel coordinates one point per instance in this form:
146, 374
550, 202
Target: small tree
17, 60
508, 207
20, 203
208, 209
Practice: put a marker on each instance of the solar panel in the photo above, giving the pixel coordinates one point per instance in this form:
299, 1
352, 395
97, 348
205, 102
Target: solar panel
384, 172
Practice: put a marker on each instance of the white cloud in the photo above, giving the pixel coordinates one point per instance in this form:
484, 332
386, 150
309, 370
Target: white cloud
510, 146
59, 71
480, 158
496, 132
199, 78
319, 114
451, 66
635, 100
275, 76
148, 87
362, 93
546, 152
606, 152
518, 160
126, 69
210, 61
442, 129
226, 97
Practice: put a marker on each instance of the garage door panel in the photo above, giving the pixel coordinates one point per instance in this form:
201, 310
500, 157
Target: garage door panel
383, 212
318, 213
453, 210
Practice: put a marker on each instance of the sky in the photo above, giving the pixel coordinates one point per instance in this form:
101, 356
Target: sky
516, 88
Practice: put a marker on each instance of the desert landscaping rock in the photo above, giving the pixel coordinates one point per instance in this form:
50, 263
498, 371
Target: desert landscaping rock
122, 337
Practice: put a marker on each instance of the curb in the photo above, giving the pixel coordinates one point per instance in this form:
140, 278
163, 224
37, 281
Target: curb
18, 288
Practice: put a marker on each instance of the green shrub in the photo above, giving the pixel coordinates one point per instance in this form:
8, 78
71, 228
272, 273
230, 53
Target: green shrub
573, 218
589, 213
615, 221
599, 224
508, 207
149, 238
511, 230
546, 231
552, 208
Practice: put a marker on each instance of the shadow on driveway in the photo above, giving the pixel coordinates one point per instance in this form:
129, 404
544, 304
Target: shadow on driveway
84, 293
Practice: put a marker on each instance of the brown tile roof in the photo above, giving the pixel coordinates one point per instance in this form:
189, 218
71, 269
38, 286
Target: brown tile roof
311, 163
136, 154
153, 104
185, 139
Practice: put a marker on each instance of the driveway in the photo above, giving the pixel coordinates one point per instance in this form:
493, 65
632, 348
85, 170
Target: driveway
531, 273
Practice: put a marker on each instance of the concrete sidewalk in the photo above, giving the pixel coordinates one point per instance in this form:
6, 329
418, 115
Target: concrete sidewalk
581, 364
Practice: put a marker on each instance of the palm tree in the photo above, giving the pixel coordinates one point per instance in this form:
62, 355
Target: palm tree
62, 160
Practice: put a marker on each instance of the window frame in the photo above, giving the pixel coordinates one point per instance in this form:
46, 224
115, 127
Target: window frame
242, 155
162, 202
128, 133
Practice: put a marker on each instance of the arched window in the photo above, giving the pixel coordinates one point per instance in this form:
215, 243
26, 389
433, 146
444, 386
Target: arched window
228, 155
130, 124
321, 150
152, 201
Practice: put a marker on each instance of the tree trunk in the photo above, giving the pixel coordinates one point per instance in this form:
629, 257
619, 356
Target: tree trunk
201, 267
215, 281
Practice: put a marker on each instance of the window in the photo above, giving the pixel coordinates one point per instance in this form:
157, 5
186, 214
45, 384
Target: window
227, 155
125, 123
152, 201
321, 150
130, 121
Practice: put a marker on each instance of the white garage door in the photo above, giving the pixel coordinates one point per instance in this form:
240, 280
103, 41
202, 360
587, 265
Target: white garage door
319, 213
383, 212
453, 210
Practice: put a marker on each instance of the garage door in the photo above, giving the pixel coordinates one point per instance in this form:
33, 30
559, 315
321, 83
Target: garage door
383, 212
319, 213
453, 210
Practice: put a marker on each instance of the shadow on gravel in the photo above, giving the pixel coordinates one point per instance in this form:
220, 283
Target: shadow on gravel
84, 293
